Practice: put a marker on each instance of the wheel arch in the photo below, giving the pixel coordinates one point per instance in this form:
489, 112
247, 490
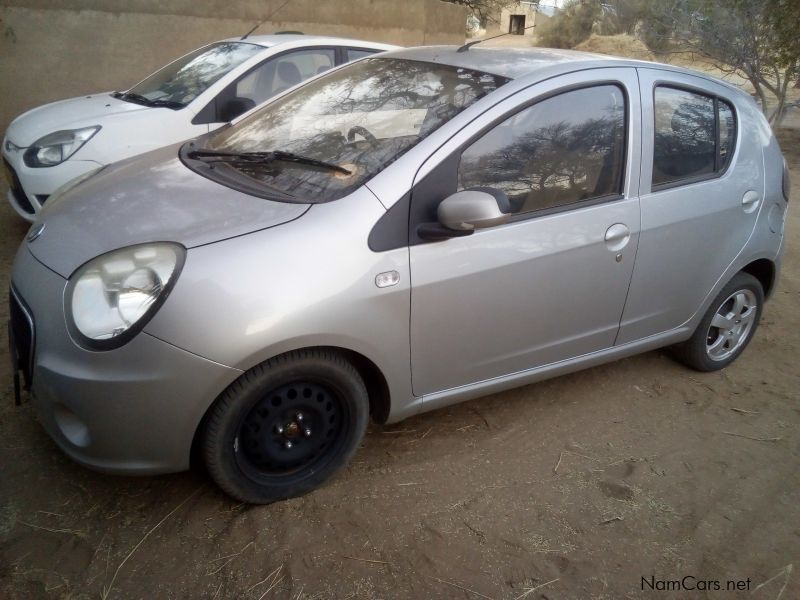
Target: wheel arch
762, 269
374, 380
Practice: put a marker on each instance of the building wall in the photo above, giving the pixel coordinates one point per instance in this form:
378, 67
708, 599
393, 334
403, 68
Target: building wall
55, 49
519, 9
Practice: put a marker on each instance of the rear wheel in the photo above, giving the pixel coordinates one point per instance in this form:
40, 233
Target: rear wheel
727, 327
286, 426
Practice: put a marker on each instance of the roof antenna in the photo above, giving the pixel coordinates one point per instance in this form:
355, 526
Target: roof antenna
469, 45
264, 20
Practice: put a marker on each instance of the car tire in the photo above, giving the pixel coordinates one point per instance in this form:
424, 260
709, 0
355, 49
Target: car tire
285, 426
726, 328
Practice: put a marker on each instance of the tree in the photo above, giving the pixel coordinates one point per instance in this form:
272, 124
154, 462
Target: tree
571, 25
624, 15
784, 17
485, 10
756, 39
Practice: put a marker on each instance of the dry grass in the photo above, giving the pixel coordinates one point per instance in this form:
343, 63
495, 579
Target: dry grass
617, 45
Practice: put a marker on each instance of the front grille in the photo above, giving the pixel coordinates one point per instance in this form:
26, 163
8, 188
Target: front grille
20, 327
17, 191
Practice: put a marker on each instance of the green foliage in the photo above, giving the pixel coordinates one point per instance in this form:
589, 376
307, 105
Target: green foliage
572, 25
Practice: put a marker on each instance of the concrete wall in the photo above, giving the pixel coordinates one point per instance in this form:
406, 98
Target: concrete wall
526, 11
54, 49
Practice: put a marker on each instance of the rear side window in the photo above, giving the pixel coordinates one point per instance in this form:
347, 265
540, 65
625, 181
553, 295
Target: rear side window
694, 136
562, 150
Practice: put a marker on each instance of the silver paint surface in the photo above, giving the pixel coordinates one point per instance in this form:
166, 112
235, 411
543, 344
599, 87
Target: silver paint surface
148, 199
506, 306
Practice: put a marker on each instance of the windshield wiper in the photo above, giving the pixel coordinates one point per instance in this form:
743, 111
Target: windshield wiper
140, 99
263, 158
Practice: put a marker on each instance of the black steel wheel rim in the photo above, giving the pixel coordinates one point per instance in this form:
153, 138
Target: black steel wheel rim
291, 431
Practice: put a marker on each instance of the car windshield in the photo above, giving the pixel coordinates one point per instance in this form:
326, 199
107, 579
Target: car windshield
182, 81
323, 140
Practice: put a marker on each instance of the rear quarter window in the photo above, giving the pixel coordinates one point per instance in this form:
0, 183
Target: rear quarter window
356, 53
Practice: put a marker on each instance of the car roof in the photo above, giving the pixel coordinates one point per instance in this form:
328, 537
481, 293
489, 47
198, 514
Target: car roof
275, 39
516, 63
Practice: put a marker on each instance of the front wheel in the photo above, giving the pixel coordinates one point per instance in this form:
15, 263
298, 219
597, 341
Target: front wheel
726, 328
286, 426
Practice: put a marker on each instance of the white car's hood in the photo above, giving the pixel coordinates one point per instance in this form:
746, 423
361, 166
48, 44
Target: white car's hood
67, 114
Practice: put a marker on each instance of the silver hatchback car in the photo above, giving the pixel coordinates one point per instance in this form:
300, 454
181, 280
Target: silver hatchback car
399, 234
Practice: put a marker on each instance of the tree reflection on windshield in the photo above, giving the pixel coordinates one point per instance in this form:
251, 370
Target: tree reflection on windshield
188, 77
361, 117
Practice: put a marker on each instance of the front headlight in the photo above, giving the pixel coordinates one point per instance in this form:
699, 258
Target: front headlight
112, 297
55, 148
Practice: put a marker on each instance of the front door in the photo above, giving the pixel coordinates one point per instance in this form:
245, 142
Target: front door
551, 283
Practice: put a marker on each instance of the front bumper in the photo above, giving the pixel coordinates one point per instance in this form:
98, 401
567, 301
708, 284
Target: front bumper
30, 188
132, 410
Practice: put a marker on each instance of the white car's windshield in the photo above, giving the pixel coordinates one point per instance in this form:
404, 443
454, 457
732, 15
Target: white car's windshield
183, 80
323, 140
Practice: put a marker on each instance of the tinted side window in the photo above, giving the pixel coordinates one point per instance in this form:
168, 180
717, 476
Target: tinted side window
562, 150
684, 135
356, 53
694, 135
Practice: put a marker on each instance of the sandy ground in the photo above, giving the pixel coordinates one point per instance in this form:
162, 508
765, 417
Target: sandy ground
573, 488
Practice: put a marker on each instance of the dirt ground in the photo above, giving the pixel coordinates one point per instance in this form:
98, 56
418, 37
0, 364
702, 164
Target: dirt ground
574, 488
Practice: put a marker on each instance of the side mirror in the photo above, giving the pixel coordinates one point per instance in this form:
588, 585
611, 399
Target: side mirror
233, 107
472, 209
462, 213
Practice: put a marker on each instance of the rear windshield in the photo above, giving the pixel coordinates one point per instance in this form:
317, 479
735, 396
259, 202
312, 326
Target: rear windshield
360, 118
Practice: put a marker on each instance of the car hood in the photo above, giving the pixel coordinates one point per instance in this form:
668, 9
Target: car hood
150, 198
67, 114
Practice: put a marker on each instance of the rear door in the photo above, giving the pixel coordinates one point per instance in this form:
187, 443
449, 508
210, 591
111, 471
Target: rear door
550, 284
702, 188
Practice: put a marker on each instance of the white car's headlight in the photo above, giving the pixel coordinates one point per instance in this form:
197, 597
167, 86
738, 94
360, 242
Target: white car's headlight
55, 148
111, 298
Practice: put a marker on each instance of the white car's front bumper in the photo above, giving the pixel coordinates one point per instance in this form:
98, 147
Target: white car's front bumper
29, 188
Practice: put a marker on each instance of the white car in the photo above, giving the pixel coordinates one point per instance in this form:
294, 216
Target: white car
53, 144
